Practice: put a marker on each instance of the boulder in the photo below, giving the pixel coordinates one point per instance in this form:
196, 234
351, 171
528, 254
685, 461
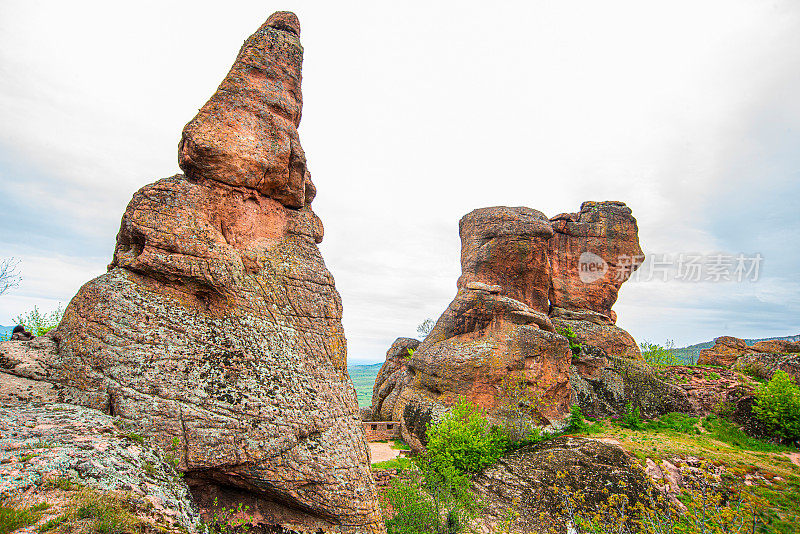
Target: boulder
591, 254
604, 385
46, 452
764, 365
499, 343
480, 341
218, 326
609, 337
776, 346
536, 479
391, 378
507, 247
724, 353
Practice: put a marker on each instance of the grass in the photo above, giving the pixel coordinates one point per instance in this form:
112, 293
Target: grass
727, 432
92, 512
12, 518
395, 463
400, 445
721, 442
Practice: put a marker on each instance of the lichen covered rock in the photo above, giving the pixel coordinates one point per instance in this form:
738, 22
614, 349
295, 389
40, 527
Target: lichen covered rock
535, 480
43, 449
218, 326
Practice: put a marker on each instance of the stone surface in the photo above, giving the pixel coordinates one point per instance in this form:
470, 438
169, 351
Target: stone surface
609, 337
392, 377
603, 385
603, 234
764, 365
534, 479
507, 247
218, 325
40, 445
518, 291
246, 134
480, 340
725, 352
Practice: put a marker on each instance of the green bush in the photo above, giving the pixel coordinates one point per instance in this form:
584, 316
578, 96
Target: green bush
576, 421
631, 419
465, 440
574, 344
38, 323
660, 355
778, 406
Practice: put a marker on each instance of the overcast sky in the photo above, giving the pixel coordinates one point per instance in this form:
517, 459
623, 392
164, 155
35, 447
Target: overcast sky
415, 113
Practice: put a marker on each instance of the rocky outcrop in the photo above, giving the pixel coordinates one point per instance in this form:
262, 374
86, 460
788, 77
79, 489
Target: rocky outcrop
218, 326
535, 481
392, 377
591, 254
46, 452
604, 385
518, 292
725, 352
761, 359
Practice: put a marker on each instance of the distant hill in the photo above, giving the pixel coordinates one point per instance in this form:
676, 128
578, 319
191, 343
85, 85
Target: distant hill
363, 377
689, 354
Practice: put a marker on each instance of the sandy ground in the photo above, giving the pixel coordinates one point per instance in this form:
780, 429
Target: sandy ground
380, 452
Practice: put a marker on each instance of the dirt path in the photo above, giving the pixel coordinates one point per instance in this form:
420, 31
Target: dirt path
381, 452
795, 458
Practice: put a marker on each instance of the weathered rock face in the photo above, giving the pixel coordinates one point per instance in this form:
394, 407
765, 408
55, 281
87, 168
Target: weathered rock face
391, 378
246, 134
591, 254
725, 352
603, 385
218, 325
64, 442
507, 247
535, 479
517, 290
762, 358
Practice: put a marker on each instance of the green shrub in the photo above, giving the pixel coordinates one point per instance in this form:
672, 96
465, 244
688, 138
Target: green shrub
39, 324
660, 356
631, 419
465, 440
576, 421
574, 344
778, 406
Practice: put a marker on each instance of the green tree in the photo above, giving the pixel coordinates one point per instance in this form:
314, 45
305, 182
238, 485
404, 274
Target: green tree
40, 323
660, 355
778, 406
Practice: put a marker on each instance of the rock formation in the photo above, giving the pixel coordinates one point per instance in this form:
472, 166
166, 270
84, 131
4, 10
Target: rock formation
534, 480
392, 377
218, 326
591, 254
761, 359
521, 286
44, 449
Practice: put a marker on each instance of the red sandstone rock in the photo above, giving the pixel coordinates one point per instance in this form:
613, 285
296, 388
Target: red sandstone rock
218, 326
507, 247
725, 352
604, 234
246, 134
392, 376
